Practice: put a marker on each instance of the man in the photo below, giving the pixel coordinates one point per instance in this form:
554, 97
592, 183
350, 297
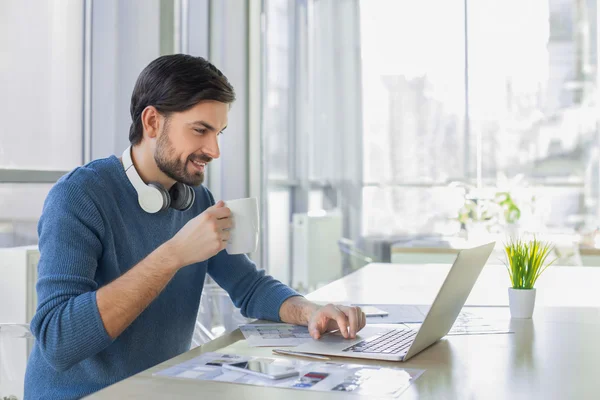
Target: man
119, 285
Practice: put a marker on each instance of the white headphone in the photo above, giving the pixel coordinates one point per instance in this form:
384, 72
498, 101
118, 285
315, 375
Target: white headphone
153, 197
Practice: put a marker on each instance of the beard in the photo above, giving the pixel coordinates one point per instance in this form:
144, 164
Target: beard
169, 163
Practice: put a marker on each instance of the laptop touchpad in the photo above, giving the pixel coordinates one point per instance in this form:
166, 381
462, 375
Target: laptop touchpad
335, 342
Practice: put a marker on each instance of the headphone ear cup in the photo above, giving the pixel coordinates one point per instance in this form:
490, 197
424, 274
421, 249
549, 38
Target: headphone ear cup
154, 198
191, 198
182, 196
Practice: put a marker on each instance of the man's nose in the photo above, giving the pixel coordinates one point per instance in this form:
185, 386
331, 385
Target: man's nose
211, 149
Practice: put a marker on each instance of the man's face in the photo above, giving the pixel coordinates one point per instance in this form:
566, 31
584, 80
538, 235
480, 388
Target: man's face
189, 140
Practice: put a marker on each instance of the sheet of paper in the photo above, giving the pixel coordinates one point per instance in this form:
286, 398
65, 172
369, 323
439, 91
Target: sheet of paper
371, 311
398, 313
315, 376
469, 323
276, 335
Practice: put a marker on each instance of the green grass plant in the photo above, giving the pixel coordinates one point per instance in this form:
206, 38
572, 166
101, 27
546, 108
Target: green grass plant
526, 261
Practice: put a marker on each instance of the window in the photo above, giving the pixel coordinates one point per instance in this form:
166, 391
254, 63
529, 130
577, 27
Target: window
57, 109
311, 124
532, 89
41, 75
523, 120
41, 58
460, 101
277, 125
278, 99
413, 113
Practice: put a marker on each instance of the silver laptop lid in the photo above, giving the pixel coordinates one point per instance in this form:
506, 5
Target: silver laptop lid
451, 297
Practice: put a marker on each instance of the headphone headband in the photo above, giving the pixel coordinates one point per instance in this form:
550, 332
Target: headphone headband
153, 197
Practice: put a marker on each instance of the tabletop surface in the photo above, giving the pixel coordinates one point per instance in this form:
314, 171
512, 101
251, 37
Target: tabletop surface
552, 356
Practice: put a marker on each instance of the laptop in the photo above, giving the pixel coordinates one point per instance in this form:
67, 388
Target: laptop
399, 343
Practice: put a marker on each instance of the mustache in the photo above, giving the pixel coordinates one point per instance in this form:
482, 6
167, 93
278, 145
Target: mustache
202, 158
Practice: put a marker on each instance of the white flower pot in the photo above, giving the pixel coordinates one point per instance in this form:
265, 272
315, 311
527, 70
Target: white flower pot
521, 302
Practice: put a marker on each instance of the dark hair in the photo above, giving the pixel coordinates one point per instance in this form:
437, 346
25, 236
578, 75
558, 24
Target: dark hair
176, 83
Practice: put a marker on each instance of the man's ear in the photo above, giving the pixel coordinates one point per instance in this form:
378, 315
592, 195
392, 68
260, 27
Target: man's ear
150, 121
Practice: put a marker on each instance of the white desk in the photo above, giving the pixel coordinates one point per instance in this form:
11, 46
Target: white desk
419, 283
556, 355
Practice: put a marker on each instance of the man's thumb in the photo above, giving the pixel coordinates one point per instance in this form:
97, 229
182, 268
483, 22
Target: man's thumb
314, 333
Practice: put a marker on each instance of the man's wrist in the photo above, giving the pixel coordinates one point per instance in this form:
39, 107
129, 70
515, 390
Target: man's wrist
309, 310
297, 310
167, 256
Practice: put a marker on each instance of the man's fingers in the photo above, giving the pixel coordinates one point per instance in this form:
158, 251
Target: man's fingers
221, 212
362, 318
356, 319
225, 235
352, 320
349, 320
360, 322
314, 332
313, 326
225, 223
341, 319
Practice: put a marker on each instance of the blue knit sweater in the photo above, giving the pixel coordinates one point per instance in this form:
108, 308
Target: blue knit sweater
92, 231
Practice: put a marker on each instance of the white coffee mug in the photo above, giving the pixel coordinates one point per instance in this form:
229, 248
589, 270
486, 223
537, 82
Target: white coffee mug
244, 234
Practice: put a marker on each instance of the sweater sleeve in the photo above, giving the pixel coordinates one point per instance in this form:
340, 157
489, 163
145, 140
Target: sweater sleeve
67, 324
257, 294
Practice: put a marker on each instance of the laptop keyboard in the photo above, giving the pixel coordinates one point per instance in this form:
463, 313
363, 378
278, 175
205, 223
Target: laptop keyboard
392, 342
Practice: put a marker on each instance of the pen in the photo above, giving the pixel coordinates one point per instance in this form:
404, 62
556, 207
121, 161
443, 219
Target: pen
298, 354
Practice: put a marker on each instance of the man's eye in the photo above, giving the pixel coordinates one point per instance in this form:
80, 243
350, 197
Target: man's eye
201, 131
